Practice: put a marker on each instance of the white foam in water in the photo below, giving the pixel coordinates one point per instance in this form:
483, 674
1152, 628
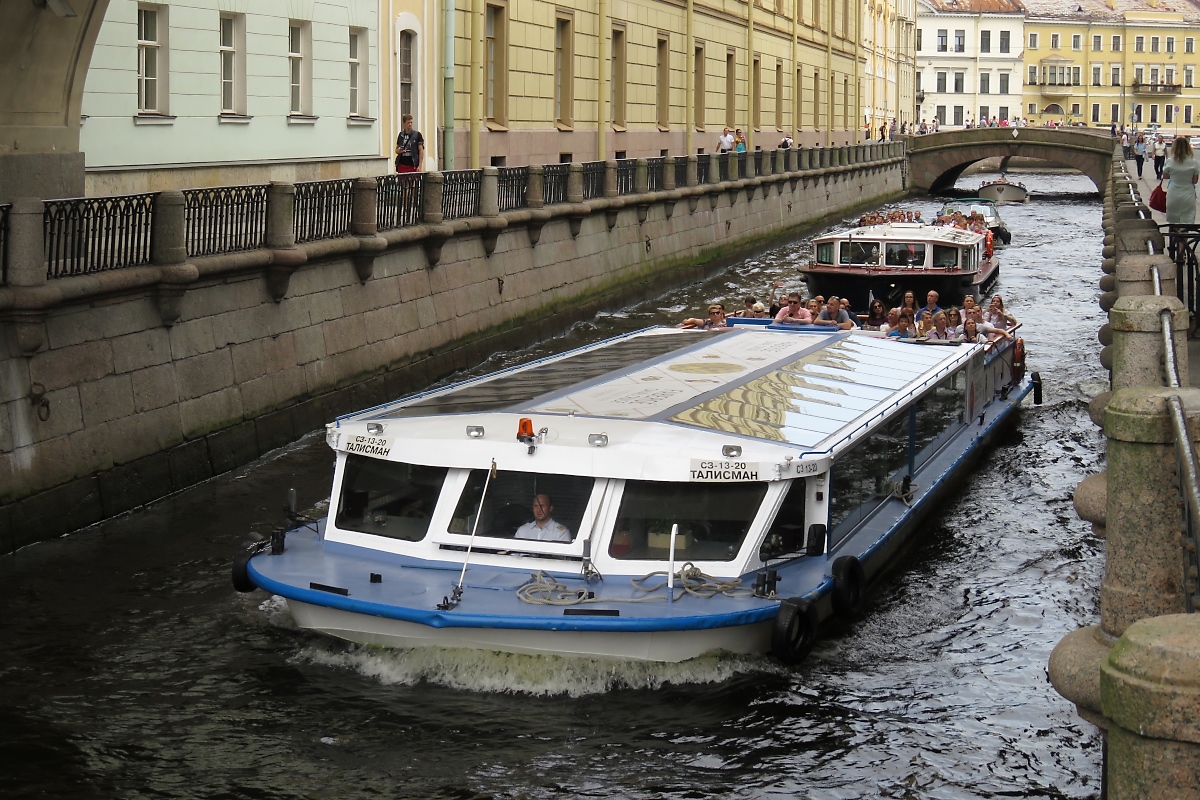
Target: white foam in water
508, 673
276, 610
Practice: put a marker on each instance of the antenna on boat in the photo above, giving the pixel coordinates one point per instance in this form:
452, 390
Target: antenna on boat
456, 594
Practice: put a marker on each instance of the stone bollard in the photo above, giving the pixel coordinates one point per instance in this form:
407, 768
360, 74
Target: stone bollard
26, 242
1136, 354
431, 198
768, 163
535, 186
735, 164
1150, 690
641, 176
822, 157
364, 211
610, 178
668, 182
1133, 276
575, 183
281, 211
489, 192
168, 234
693, 170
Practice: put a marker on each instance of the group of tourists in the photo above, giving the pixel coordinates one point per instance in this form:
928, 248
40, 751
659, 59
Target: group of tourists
884, 217
965, 222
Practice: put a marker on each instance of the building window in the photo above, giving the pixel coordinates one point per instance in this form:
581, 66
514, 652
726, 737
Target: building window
404, 57
564, 79
1138, 75
797, 99
152, 60
1116, 44
958, 115
619, 80
495, 64
1139, 44
919, 32
960, 79
1116, 76
233, 63
985, 83
1153, 113
1189, 45
664, 81
1054, 41
1003, 83
1170, 44
1188, 77
960, 41
1033, 41
1075, 75
846, 103
1114, 112
983, 114
1095, 75
1153, 44
941, 115
698, 86
941, 82
1004, 42
1074, 109
1076, 41
1095, 112
1003, 112
756, 92
817, 99
1187, 115
1137, 113
779, 95
300, 67
1032, 80
1170, 79
943, 39
730, 89
1032, 109
358, 82
1097, 45
1168, 111
985, 41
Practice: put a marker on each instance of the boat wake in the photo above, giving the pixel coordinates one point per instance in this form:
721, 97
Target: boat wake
542, 676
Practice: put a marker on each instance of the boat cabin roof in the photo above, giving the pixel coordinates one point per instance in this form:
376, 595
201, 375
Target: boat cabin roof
662, 397
969, 204
907, 232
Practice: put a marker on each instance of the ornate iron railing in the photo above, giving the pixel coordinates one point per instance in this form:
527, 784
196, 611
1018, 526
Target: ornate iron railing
93, 234
514, 187
399, 200
323, 209
625, 173
554, 183
655, 168
1183, 242
224, 219
460, 193
681, 163
4, 209
702, 170
593, 179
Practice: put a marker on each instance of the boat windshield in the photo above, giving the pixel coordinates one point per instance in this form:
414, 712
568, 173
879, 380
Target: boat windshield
905, 254
944, 256
514, 502
713, 520
388, 498
825, 253
859, 253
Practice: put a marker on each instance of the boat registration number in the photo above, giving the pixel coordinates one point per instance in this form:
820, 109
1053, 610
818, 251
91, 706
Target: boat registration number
724, 471
369, 445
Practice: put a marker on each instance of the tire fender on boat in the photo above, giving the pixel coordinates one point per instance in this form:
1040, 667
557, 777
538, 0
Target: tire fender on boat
794, 631
849, 583
241, 571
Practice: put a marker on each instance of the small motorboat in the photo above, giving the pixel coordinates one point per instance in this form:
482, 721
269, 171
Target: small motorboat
986, 209
1002, 190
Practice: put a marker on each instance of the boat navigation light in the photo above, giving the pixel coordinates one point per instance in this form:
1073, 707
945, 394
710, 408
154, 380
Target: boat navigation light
374, 428
598, 439
732, 451
475, 431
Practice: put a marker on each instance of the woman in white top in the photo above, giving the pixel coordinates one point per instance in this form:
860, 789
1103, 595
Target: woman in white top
1183, 171
997, 316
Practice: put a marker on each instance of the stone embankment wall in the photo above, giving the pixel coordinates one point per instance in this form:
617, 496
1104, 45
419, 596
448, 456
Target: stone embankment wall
120, 387
1136, 674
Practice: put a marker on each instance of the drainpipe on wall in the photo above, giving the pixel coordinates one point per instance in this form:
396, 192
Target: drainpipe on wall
477, 11
751, 100
829, 74
689, 85
604, 57
448, 88
858, 80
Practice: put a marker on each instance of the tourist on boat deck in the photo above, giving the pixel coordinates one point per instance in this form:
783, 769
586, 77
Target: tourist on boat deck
941, 330
748, 306
971, 333
772, 304
954, 319
814, 307
909, 302
716, 319
876, 316
893, 318
834, 314
794, 312
543, 528
931, 306
903, 329
997, 316
758, 311
986, 328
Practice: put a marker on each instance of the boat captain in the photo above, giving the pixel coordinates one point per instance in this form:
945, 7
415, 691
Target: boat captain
543, 527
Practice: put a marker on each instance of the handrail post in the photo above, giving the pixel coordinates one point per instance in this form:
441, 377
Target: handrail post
26, 242
610, 178
668, 182
641, 176
535, 186
575, 182
364, 210
489, 192
693, 170
431, 198
281, 212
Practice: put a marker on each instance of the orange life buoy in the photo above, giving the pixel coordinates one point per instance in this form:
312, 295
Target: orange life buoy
990, 245
1018, 364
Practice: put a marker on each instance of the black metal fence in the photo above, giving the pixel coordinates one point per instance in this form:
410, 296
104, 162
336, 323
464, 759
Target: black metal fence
93, 234
554, 183
593, 179
4, 209
743, 164
514, 187
399, 200
460, 193
702, 169
758, 163
323, 209
1183, 241
655, 169
625, 173
225, 219
723, 165
681, 163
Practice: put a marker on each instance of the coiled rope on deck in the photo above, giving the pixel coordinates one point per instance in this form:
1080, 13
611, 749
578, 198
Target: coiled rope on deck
543, 589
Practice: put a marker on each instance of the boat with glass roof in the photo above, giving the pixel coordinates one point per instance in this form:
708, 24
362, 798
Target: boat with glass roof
986, 209
657, 496
885, 261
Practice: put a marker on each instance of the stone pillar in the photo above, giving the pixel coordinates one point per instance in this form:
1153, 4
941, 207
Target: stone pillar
26, 243
1132, 276
1150, 689
431, 198
768, 163
693, 170
734, 164
714, 167
791, 159
364, 213
281, 210
641, 176
168, 234
1143, 566
1136, 354
535, 189
575, 183
669, 173
610, 178
489, 192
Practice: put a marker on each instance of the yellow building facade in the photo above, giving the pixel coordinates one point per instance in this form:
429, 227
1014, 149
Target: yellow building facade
889, 62
1123, 62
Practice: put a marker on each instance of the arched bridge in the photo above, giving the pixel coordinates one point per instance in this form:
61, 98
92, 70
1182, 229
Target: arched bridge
937, 159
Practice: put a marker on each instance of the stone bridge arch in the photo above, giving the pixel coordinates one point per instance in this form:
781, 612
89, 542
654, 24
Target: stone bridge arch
937, 159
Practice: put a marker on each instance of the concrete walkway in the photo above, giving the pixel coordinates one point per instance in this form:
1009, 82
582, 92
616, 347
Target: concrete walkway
1145, 186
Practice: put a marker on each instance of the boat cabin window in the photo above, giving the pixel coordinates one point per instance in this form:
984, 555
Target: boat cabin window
945, 256
786, 535
859, 252
713, 520
825, 253
508, 508
905, 254
864, 477
968, 258
388, 498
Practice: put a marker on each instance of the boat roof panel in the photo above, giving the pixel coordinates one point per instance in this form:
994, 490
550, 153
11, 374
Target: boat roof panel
906, 232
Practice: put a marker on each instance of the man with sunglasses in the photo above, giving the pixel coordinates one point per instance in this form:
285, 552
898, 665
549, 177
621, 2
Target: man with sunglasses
793, 312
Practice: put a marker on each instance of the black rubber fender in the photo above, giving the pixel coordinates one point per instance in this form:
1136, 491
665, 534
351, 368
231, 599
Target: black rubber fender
849, 586
794, 631
241, 571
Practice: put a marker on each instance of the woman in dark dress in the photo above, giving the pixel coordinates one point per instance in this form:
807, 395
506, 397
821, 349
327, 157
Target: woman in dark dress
876, 316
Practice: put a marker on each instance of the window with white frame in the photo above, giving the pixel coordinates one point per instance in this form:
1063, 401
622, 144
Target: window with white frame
1153, 44
1139, 44
943, 37
1189, 45
358, 71
404, 57
1116, 76
1033, 41
1095, 112
1054, 39
564, 68
152, 60
1170, 44
1004, 41
1116, 44
985, 83
1032, 109
1187, 115
1032, 78
1076, 41
1003, 83
1097, 45
1168, 112
1188, 77
300, 67
1096, 75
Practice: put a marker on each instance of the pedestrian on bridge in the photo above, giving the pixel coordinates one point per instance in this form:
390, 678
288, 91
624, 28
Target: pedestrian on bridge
1183, 172
1139, 152
410, 146
1160, 156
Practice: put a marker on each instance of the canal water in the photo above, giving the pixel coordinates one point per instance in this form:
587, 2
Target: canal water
130, 669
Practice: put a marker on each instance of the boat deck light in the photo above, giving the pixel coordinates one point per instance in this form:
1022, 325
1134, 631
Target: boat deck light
598, 439
475, 431
732, 451
374, 428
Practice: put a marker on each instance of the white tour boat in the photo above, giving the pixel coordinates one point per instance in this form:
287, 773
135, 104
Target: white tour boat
655, 496
885, 261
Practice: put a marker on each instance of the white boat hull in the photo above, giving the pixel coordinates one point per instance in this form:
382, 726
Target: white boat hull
671, 646
1004, 193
